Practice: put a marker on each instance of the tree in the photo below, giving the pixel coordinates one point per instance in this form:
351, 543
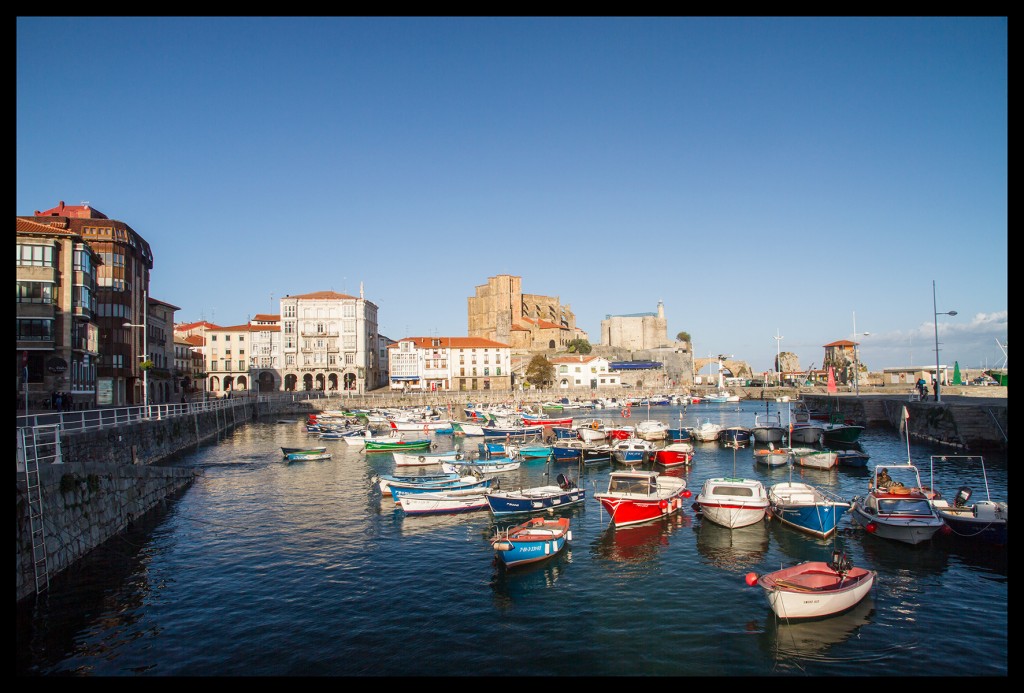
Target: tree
683, 336
539, 371
580, 346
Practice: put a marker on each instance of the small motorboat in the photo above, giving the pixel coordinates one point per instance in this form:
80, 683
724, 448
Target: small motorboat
537, 498
445, 502
896, 506
815, 589
307, 456
732, 501
535, 540
806, 508
983, 521
674, 454
773, 456
303, 451
636, 496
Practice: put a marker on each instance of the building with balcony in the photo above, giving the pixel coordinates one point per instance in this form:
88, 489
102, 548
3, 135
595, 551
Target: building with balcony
57, 333
227, 354
329, 342
585, 371
432, 364
265, 353
122, 283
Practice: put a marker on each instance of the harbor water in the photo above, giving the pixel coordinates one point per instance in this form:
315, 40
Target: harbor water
265, 568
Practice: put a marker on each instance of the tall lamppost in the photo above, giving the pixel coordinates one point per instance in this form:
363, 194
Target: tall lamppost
856, 365
938, 384
144, 356
778, 357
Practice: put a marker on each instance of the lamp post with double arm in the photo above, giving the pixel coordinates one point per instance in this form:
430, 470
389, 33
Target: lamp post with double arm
938, 384
856, 365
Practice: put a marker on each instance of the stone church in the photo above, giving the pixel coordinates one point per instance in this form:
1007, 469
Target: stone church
501, 312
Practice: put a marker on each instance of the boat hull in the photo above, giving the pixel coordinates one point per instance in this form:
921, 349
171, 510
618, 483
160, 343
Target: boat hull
984, 521
733, 503
471, 500
636, 497
806, 435
815, 590
805, 509
532, 500
535, 540
400, 445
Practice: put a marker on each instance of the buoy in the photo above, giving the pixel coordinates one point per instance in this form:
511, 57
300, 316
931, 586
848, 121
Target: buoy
687, 493
663, 504
871, 527
751, 579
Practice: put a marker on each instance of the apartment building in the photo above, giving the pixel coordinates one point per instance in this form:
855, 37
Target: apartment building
431, 364
57, 333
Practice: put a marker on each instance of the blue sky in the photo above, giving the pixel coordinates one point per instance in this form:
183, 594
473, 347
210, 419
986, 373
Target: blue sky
802, 177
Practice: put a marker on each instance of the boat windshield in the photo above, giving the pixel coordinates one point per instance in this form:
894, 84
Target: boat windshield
733, 491
905, 506
642, 487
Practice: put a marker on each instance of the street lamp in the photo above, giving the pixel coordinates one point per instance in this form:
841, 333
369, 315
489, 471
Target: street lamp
144, 356
938, 385
856, 366
145, 371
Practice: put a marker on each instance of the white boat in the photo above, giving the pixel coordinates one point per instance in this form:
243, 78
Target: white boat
592, 430
359, 441
807, 433
495, 465
652, 429
632, 451
773, 456
425, 426
732, 502
424, 458
707, 432
445, 502
814, 458
815, 589
768, 428
984, 521
900, 509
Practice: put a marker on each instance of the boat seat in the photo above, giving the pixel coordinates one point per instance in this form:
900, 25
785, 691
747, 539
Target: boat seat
801, 498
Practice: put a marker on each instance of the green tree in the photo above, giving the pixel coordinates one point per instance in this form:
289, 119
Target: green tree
683, 336
580, 346
540, 372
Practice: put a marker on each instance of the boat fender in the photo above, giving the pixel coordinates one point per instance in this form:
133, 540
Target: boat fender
458, 455
433, 446
421, 459
663, 504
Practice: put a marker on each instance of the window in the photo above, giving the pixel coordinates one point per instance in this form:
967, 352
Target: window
83, 260
37, 330
35, 256
241, 364
34, 292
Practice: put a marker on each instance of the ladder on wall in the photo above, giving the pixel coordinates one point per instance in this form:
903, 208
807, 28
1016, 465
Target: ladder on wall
37, 445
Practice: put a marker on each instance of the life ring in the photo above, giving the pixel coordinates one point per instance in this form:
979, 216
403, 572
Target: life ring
426, 428
625, 413
899, 490
595, 425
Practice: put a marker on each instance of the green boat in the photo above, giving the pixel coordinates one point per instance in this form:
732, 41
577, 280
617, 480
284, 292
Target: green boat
389, 445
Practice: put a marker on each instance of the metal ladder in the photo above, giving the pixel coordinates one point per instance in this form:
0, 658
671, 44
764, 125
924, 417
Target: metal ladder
35, 445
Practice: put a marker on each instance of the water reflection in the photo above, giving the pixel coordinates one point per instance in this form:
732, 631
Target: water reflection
732, 548
814, 638
639, 543
524, 582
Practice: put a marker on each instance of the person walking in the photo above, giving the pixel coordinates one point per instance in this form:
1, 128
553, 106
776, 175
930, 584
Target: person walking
935, 388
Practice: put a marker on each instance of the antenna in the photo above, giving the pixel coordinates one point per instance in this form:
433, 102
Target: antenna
1003, 348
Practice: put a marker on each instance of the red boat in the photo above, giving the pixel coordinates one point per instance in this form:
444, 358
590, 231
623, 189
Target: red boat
674, 455
621, 433
636, 496
542, 421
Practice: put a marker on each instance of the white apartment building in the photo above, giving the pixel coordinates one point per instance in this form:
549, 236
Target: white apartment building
227, 359
431, 364
584, 371
265, 357
329, 342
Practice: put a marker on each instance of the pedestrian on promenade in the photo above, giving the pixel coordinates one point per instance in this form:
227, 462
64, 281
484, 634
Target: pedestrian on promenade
935, 389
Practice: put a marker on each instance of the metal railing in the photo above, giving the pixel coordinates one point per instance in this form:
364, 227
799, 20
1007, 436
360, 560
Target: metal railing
93, 419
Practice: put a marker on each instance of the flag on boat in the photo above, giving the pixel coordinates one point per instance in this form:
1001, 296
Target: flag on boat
904, 418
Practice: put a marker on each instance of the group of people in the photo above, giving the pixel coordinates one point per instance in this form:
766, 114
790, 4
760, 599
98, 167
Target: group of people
922, 388
61, 401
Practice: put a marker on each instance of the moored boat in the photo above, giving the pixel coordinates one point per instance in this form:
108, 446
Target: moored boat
537, 498
815, 589
391, 444
735, 435
806, 508
637, 496
896, 507
814, 458
535, 540
445, 502
732, 501
674, 454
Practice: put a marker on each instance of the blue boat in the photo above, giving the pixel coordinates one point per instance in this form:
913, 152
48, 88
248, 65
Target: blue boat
537, 539
514, 433
806, 508
384, 481
567, 450
471, 482
565, 433
537, 498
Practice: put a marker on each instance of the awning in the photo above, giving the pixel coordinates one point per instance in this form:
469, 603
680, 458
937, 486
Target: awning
405, 377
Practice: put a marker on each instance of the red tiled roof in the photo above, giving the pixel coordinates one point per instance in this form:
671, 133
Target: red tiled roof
579, 358
451, 342
266, 317
195, 340
74, 211
841, 342
330, 295
183, 327
543, 324
29, 226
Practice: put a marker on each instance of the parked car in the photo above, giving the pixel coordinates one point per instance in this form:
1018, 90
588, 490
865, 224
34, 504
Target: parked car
983, 381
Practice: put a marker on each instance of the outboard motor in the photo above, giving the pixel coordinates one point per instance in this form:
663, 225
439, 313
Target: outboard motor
962, 496
564, 483
840, 562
